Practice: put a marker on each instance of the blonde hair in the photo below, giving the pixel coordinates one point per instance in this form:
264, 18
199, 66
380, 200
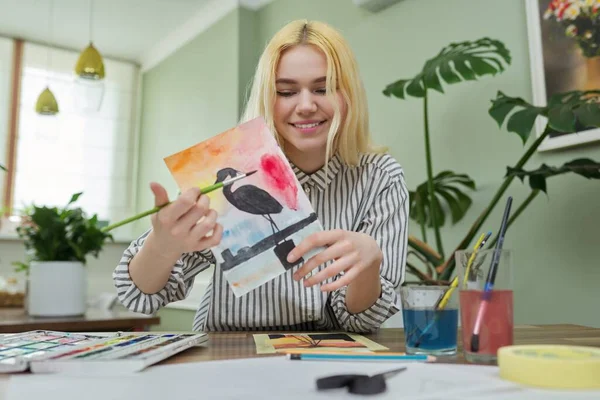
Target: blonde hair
354, 136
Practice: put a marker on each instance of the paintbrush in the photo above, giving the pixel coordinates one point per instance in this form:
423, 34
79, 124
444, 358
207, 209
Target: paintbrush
445, 297
489, 284
204, 190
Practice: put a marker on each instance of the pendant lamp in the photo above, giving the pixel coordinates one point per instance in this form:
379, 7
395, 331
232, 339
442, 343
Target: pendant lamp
90, 65
46, 103
89, 81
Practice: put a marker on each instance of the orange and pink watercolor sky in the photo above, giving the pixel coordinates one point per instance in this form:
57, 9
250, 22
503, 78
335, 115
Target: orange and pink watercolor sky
198, 165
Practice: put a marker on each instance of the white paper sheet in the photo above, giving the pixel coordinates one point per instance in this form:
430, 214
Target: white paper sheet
278, 378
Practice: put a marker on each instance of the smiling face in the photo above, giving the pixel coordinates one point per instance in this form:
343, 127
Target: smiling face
302, 112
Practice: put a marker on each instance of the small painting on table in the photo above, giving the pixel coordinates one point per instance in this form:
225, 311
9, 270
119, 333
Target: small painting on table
264, 215
564, 47
307, 342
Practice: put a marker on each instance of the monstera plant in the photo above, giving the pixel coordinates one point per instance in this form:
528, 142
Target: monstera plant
565, 113
457, 62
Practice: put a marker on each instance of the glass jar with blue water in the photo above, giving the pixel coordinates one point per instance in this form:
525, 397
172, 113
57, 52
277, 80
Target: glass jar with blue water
430, 315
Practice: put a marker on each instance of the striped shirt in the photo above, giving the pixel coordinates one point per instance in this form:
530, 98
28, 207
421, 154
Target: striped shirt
371, 198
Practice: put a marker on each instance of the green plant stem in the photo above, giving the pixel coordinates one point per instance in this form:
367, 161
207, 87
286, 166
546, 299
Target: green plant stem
448, 267
422, 221
517, 212
434, 219
426, 263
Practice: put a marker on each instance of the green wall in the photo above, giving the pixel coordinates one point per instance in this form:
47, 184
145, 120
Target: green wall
556, 267
187, 98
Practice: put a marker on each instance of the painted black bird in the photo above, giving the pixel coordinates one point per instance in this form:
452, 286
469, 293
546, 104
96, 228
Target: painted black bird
249, 198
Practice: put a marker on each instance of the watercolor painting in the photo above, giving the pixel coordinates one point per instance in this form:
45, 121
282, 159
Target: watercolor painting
264, 216
318, 341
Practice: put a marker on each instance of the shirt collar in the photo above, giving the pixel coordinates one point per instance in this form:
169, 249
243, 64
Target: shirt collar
321, 177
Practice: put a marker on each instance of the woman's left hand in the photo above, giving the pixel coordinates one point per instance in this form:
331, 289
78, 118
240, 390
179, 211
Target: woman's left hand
352, 253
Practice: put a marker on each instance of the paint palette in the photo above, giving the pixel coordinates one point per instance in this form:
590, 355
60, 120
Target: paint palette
17, 350
126, 353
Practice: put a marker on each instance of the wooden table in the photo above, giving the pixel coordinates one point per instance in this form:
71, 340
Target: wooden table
224, 345
14, 320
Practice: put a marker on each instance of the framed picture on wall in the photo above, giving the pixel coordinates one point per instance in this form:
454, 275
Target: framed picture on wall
564, 46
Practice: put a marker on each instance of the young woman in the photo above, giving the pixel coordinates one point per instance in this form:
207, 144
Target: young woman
308, 89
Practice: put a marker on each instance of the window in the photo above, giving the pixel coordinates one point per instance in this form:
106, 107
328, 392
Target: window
76, 150
6, 61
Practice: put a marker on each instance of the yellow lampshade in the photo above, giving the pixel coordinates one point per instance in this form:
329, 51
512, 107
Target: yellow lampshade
90, 64
46, 103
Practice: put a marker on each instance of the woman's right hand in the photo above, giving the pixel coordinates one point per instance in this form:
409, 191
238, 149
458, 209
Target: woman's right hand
186, 225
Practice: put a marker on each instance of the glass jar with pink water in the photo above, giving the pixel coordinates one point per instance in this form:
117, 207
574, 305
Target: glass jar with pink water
486, 317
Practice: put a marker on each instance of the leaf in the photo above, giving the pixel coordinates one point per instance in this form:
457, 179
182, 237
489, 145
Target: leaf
588, 115
565, 111
3, 168
432, 80
503, 105
448, 74
396, 88
52, 234
482, 67
415, 88
457, 62
522, 122
463, 69
74, 198
455, 206
20, 266
448, 188
562, 118
459, 204
537, 178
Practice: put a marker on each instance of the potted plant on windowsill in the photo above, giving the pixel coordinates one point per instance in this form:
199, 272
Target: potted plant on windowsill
57, 243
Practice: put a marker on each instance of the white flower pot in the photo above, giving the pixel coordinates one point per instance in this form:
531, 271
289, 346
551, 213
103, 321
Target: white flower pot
56, 288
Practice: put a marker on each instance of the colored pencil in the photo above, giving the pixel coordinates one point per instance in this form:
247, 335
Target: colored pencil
359, 357
482, 240
445, 298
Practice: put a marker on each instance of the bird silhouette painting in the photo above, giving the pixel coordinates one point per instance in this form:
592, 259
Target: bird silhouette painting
264, 214
249, 198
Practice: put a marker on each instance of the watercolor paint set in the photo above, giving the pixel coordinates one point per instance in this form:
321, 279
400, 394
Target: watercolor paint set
129, 352
18, 349
122, 352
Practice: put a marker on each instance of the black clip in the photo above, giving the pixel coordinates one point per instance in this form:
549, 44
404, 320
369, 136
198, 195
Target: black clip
358, 384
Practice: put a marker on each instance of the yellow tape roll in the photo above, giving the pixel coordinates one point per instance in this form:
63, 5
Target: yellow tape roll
551, 366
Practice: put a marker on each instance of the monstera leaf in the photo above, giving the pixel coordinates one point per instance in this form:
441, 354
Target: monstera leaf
447, 188
537, 178
566, 112
454, 63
